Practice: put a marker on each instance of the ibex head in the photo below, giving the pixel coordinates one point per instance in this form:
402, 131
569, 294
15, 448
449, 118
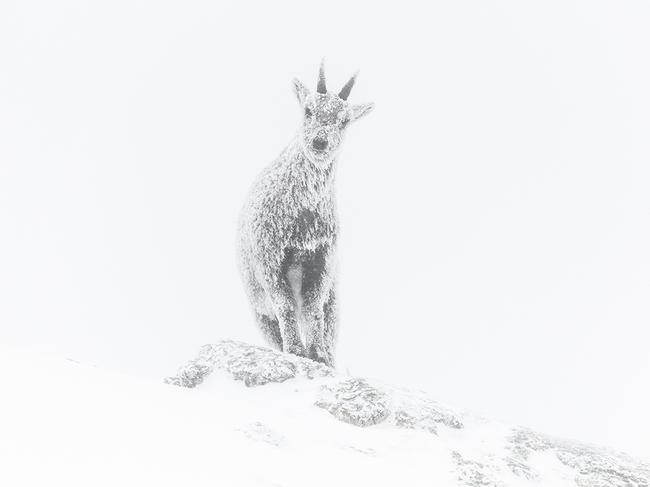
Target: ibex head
326, 116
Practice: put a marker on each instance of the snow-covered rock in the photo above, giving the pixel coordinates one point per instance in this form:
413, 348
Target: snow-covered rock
354, 401
478, 452
252, 417
254, 365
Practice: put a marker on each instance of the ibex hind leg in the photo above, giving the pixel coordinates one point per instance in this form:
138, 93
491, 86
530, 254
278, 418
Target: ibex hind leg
270, 330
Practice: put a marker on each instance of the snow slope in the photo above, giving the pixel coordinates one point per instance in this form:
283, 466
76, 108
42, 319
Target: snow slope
296, 424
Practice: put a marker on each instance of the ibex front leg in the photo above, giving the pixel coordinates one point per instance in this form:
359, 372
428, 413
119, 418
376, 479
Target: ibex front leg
280, 293
316, 285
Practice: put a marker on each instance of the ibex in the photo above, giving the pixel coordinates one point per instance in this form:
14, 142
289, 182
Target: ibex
288, 229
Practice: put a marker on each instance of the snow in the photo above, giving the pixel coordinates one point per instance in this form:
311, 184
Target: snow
65, 423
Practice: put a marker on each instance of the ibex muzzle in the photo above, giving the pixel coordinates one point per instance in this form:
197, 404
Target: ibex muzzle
319, 143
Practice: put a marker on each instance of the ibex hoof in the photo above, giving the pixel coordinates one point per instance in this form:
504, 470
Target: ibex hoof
319, 356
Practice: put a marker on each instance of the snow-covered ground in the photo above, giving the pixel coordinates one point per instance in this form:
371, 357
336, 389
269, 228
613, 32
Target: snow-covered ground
296, 424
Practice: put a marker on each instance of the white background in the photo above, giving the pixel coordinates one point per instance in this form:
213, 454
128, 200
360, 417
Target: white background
494, 207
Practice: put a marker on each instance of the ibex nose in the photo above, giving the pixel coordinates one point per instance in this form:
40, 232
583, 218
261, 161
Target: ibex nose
319, 144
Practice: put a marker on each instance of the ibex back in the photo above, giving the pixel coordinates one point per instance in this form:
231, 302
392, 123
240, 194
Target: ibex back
288, 229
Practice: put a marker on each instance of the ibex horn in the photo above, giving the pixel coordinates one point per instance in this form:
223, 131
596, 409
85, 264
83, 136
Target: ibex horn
345, 91
321, 88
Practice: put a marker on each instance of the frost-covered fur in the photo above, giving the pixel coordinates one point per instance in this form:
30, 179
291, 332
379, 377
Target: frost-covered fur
288, 230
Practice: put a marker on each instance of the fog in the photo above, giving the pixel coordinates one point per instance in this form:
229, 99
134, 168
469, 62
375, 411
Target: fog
494, 206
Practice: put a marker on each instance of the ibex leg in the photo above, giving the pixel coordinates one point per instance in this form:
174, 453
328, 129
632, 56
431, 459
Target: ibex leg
270, 329
329, 327
285, 308
316, 285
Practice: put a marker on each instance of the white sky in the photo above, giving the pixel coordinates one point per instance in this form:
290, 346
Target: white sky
495, 211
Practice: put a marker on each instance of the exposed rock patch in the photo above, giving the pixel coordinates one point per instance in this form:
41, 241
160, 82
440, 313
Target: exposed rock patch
521, 469
354, 401
253, 365
594, 467
475, 474
358, 402
414, 410
190, 375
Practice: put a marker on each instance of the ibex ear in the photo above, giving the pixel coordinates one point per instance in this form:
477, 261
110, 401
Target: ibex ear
359, 111
302, 92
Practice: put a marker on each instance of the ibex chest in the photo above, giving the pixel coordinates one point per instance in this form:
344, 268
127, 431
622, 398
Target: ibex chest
312, 228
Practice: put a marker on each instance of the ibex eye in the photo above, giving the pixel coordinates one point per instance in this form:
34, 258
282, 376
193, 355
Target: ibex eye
308, 112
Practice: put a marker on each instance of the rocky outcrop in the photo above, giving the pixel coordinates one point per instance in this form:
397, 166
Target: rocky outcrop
253, 365
354, 401
476, 459
594, 467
